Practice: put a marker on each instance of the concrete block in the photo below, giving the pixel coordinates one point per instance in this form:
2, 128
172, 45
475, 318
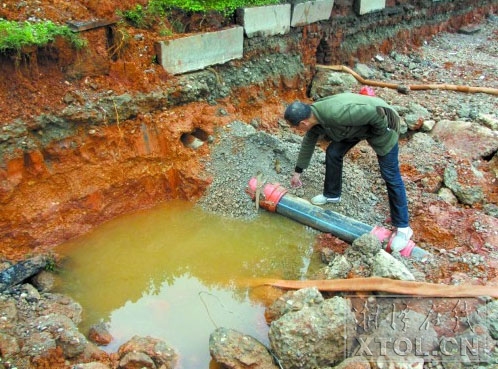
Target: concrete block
199, 51
368, 6
307, 12
265, 20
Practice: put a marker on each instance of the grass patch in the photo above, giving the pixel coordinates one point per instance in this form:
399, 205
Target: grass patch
226, 7
17, 36
146, 17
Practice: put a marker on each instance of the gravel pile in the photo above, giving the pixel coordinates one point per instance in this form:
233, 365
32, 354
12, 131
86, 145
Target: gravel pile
242, 150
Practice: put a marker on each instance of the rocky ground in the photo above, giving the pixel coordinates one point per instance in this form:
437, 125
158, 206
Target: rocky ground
448, 156
461, 234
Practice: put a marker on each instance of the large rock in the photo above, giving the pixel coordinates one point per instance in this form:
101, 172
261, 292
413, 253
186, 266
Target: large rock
151, 350
466, 182
367, 244
358, 362
236, 350
38, 344
293, 301
136, 360
338, 268
8, 345
468, 139
64, 332
312, 337
366, 255
390, 330
57, 303
99, 334
385, 265
415, 116
492, 314
357, 258
44, 281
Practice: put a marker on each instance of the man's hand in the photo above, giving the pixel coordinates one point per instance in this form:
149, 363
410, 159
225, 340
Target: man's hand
295, 180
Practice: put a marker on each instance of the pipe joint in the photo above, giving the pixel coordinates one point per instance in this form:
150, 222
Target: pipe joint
270, 193
385, 235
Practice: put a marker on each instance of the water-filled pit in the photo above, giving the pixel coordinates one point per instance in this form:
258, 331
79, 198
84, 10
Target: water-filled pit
176, 273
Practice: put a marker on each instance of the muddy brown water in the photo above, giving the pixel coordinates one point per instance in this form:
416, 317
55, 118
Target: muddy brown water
176, 273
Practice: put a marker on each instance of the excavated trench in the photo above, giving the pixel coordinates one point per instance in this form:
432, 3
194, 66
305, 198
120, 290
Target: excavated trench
108, 152
110, 144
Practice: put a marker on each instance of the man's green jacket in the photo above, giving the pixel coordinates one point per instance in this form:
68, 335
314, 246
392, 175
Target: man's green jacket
349, 117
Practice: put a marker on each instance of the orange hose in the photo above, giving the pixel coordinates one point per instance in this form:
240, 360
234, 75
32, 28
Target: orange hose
380, 284
342, 68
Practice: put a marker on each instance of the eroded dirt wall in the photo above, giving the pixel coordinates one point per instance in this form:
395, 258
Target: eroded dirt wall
68, 186
61, 173
402, 25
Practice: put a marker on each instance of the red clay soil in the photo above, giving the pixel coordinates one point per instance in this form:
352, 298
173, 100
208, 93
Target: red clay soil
35, 85
30, 87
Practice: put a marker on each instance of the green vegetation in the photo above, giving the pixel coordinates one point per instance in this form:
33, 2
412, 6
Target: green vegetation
16, 36
144, 17
138, 16
51, 265
223, 6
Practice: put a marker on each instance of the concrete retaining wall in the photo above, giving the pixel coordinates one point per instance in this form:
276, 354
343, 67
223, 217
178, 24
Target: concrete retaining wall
265, 20
368, 6
196, 52
373, 18
310, 12
199, 51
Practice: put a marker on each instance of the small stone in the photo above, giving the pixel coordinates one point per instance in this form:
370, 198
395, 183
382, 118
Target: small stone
99, 334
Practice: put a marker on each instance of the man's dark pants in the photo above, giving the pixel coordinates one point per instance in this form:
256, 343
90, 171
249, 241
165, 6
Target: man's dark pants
389, 170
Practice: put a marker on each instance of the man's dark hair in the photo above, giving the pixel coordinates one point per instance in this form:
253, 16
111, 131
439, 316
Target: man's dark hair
296, 112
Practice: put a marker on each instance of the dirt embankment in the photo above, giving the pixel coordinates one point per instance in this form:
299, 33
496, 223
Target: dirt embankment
79, 151
86, 137
112, 110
